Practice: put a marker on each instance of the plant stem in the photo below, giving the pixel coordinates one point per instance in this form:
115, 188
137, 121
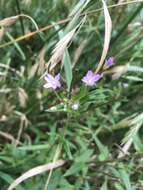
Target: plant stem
59, 98
56, 156
20, 18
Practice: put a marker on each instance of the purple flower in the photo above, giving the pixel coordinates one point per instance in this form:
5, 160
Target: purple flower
52, 82
110, 61
90, 78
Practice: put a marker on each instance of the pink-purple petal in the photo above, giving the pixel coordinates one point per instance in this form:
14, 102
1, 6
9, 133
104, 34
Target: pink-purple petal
57, 77
52, 82
97, 77
89, 73
90, 78
48, 77
110, 61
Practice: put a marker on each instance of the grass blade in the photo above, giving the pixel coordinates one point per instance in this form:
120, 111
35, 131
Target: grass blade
35, 171
108, 29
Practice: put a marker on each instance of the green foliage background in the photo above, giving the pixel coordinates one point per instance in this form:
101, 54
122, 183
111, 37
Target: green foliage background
109, 119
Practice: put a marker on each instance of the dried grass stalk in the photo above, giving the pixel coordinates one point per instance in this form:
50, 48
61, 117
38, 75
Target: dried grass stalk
107, 36
2, 32
8, 21
35, 171
41, 62
32, 71
27, 2
23, 97
125, 149
78, 52
24, 122
58, 52
39, 66
9, 137
117, 71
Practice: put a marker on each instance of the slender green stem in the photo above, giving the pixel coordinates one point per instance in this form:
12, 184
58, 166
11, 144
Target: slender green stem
59, 98
20, 18
56, 156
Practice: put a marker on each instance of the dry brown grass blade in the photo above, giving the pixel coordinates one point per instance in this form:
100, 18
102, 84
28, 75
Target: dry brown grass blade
39, 66
125, 149
117, 71
58, 52
2, 32
8, 21
23, 97
107, 36
32, 71
41, 62
24, 122
78, 52
27, 2
35, 171
31, 34
9, 137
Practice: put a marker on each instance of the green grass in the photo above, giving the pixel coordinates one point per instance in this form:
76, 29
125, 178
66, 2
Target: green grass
101, 142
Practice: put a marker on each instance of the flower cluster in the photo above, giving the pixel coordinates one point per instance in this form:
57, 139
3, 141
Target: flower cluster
89, 79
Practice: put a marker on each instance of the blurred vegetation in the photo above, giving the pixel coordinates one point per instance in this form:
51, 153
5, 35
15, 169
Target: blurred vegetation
101, 142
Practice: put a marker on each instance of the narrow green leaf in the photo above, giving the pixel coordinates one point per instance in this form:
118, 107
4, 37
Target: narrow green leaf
68, 149
118, 186
66, 61
137, 143
84, 156
103, 149
125, 178
75, 168
16, 46
79, 7
68, 69
134, 78
104, 186
34, 147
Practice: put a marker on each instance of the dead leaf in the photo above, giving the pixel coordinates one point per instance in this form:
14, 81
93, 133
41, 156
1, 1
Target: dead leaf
78, 52
58, 52
117, 71
9, 21
35, 171
107, 36
23, 97
41, 62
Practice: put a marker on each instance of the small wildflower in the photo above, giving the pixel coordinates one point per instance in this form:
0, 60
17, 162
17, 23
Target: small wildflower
75, 106
110, 61
52, 82
125, 85
90, 78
